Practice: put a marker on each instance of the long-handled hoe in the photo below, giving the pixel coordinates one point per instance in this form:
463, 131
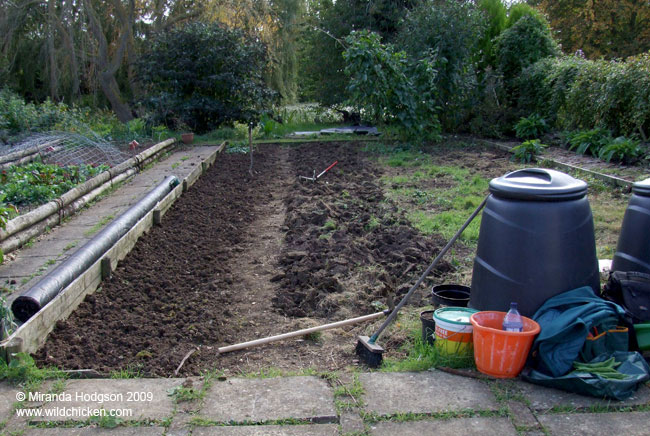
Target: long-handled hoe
367, 349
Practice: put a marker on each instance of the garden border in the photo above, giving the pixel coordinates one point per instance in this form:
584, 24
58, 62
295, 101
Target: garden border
33, 333
613, 180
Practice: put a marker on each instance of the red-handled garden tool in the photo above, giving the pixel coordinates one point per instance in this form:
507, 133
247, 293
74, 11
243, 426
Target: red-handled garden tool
316, 177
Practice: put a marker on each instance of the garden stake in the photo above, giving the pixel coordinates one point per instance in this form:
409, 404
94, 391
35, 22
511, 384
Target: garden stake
316, 177
367, 349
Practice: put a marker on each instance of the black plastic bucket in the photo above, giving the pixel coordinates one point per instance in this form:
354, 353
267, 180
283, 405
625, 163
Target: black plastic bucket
536, 241
428, 327
450, 295
633, 249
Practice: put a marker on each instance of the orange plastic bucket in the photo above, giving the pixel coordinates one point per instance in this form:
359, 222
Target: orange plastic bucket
499, 353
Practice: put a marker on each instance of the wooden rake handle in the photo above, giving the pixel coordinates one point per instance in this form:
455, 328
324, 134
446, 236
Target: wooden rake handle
302, 332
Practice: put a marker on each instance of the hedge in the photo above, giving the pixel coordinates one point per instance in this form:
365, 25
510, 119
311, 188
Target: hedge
575, 93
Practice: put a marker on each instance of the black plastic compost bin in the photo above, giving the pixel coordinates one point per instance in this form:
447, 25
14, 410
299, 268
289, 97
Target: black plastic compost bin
536, 241
633, 249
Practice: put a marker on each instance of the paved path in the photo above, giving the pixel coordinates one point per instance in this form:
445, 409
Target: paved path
28, 264
405, 404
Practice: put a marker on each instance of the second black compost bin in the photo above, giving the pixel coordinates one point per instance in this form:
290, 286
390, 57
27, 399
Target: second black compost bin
536, 240
633, 249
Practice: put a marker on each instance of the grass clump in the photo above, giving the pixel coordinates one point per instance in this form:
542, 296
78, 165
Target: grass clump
23, 371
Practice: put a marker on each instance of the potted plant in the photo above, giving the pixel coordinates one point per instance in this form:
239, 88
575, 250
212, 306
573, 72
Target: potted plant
187, 138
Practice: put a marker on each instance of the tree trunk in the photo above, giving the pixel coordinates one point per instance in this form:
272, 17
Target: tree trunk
108, 67
51, 24
111, 90
66, 17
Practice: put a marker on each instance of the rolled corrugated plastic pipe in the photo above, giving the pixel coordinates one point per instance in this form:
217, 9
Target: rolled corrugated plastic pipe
34, 299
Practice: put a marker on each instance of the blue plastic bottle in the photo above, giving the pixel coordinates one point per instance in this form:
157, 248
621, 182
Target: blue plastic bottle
512, 322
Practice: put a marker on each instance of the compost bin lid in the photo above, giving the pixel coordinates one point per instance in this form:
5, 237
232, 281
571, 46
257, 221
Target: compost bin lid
538, 184
642, 188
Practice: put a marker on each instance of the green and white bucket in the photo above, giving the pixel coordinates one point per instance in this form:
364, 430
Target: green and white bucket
454, 331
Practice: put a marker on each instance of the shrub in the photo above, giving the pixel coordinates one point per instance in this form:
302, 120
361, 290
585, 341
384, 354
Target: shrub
527, 151
611, 94
532, 127
489, 116
575, 93
204, 75
621, 149
588, 141
18, 116
544, 86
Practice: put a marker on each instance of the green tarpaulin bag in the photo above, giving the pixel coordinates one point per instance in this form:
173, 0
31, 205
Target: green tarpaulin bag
632, 365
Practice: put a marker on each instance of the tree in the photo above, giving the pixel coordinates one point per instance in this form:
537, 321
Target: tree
61, 49
108, 64
525, 43
604, 28
519, 10
389, 90
328, 24
495, 14
446, 33
278, 24
204, 75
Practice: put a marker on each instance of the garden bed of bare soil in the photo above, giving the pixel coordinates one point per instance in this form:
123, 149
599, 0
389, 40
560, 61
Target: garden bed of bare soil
239, 257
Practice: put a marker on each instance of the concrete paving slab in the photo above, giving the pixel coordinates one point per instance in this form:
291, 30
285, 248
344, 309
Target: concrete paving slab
30, 265
351, 422
424, 392
521, 415
90, 219
121, 431
542, 398
269, 430
461, 426
259, 400
597, 424
54, 247
139, 398
7, 400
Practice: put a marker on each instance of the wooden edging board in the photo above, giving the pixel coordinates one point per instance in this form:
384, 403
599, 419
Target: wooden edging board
612, 180
33, 333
